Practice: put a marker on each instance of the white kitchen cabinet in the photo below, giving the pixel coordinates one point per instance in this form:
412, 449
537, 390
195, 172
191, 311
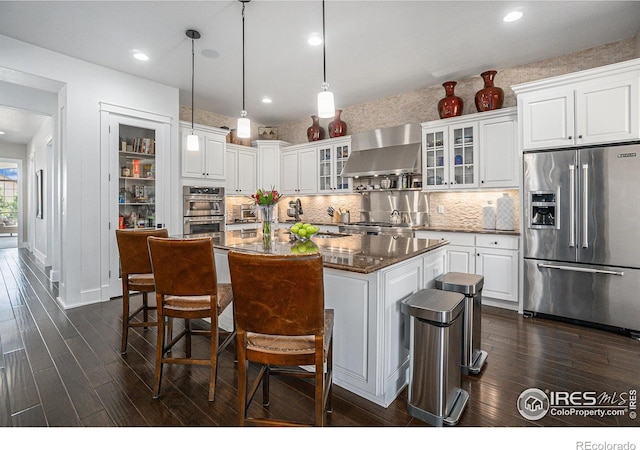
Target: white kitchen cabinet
593, 106
332, 156
460, 253
498, 150
269, 163
209, 161
299, 170
497, 261
493, 256
466, 152
450, 155
242, 167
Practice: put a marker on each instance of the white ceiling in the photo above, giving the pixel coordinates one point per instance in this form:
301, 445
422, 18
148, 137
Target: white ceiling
18, 125
374, 48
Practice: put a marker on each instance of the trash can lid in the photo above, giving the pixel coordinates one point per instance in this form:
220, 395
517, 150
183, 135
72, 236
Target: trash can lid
434, 305
465, 283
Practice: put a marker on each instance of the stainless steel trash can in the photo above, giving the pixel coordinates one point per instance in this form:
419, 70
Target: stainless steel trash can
435, 392
470, 285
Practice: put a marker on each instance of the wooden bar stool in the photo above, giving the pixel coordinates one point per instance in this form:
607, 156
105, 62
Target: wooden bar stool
187, 288
136, 277
281, 324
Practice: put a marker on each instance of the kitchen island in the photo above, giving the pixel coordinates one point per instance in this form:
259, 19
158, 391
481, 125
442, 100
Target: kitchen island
365, 279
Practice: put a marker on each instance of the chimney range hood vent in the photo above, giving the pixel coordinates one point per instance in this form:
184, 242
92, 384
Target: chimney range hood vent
385, 151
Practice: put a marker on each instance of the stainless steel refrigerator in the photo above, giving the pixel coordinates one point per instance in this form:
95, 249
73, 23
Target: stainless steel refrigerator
582, 235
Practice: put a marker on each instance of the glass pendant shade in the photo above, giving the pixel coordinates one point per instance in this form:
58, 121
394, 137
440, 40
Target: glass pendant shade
193, 143
243, 129
326, 106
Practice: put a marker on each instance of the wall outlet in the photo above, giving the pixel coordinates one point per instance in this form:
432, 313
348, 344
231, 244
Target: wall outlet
440, 209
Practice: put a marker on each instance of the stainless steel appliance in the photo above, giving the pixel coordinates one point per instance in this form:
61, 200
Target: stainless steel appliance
581, 241
245, 212
203, 210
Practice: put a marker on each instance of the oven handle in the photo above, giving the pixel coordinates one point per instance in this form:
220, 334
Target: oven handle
200, 220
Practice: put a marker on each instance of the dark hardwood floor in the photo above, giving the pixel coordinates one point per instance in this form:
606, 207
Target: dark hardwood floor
64, 369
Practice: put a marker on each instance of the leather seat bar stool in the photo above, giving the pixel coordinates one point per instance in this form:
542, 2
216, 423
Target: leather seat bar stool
281, 324
187, 288
137, 276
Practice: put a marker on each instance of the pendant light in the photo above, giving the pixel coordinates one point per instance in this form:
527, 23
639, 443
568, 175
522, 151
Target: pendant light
193, 143
244, 124
326, 105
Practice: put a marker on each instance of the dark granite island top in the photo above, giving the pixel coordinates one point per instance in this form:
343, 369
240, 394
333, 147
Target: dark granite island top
354, 253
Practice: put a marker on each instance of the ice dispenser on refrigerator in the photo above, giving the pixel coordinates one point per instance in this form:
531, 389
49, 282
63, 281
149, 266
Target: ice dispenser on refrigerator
543, 206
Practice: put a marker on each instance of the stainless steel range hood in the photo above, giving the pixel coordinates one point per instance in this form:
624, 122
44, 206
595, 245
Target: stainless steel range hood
385, 151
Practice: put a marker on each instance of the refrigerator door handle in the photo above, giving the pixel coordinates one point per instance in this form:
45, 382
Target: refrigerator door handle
585, 205
581, 269
572, 205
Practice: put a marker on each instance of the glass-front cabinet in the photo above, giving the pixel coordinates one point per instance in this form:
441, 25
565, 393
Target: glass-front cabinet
136, 177
464, 156
332, 158
450, 157
434, 144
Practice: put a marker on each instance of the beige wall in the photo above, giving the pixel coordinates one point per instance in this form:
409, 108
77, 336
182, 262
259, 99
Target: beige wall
421, 105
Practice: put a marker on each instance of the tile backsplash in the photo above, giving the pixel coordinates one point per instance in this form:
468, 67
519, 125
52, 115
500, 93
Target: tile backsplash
460, 209
464, 209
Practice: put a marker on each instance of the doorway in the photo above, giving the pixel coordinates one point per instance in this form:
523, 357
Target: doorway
9, 198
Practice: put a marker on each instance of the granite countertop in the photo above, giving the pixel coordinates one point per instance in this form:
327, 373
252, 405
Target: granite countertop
466, 230
354, 253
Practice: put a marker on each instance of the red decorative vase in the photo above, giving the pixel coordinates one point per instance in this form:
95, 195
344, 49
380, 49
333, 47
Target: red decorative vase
490, 97
337, 127
450, 106
315, 132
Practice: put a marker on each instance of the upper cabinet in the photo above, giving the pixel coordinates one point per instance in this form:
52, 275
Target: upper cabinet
299, 170
241, 170
209, 161
595, 106
269, 163
476, 150
332, 156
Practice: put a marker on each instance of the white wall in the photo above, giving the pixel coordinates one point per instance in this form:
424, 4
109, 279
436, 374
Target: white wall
39, 159
80, 189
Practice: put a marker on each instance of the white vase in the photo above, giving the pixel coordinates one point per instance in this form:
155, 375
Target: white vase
489, 216
505, 213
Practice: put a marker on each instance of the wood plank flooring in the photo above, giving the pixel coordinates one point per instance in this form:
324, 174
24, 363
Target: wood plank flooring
64, 369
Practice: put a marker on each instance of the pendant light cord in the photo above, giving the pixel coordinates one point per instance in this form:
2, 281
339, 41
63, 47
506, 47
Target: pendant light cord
243, 4
193, 71
324, 52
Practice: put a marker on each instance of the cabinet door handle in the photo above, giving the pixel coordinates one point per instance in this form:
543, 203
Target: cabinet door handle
579, 136
570, 137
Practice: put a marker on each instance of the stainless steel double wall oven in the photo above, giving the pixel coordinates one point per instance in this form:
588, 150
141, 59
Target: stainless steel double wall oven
203, 208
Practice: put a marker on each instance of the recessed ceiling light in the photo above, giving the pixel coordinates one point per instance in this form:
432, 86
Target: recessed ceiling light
315, 39
266, 100
512, 16
1, 132
209, 53
137, 54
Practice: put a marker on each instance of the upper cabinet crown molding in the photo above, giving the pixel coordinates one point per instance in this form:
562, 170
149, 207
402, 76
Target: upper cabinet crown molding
580, 76
595, 106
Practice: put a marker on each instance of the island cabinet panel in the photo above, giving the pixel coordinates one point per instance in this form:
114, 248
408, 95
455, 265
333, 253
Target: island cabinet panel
349, 298
397, 284
434, 265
